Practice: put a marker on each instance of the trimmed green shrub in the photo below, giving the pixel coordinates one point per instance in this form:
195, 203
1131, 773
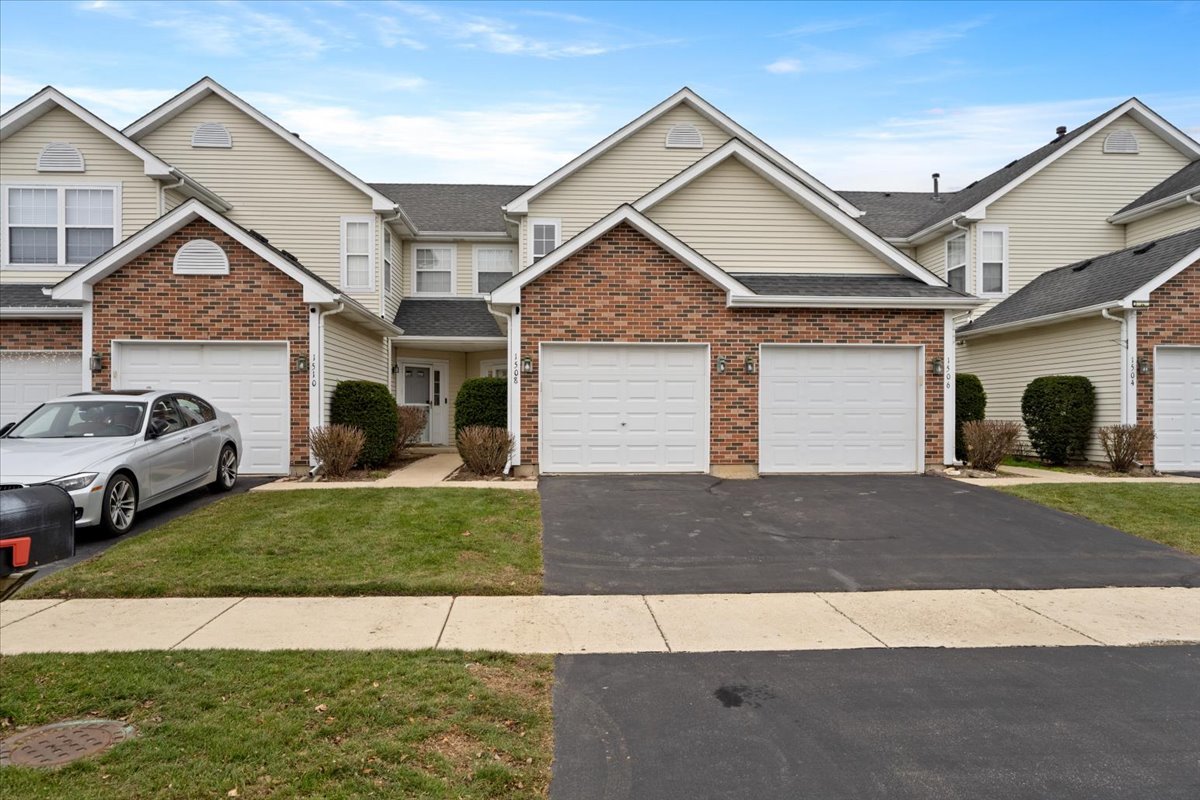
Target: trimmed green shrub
1058, 412
481, 401
970, 403
370, 407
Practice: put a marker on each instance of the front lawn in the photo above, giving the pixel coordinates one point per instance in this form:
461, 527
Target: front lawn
1165, 512
326, 542
290, 724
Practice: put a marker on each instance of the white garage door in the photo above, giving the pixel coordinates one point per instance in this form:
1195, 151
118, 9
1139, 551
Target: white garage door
624, 408
1177, 408
248, 380
839, 409
28, 379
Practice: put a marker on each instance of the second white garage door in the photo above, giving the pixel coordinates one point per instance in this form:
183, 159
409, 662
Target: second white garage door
1177, 408
839, 409
624, 408
28, 379
247, 379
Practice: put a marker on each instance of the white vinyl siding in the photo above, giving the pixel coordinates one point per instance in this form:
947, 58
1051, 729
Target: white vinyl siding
262, 176
434, 268
352, 353
622, 175
494, 264
742, 223
991, 276
358, 271
932, 256
1164, 223
956, 262
1006, 363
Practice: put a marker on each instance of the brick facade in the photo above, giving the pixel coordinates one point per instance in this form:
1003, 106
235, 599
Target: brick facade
624, 288
41, 334
145, 299
1172, 318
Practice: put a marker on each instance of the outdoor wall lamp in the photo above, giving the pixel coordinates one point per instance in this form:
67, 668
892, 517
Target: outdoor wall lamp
750, 365
96, 362
938, 368
301, 363
395, 369
1143, 366
721, 364
526, 364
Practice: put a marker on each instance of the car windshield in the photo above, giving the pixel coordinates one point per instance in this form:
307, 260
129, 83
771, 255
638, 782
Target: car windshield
82, 418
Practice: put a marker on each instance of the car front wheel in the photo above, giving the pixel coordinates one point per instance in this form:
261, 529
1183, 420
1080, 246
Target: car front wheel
227, 467
120, 505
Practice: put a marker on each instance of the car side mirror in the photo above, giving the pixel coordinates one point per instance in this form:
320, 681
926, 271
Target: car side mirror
8, 426
157, 428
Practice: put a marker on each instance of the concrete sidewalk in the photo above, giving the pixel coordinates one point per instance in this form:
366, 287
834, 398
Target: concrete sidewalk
429, 472
1021, 476
613, 623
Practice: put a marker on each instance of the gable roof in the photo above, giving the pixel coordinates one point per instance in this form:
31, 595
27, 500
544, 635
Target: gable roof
206, 87
1119, 278
799, 192
1174, 189
452, 207
685, 96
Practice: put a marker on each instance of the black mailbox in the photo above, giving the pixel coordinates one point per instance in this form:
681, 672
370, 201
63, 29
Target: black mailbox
37, 526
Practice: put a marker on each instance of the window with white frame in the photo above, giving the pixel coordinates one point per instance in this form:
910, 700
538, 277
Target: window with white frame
956, 262
492, 368
494, 264
993, 260
58, 225
387, 260
356, 253
433, 269
543, 236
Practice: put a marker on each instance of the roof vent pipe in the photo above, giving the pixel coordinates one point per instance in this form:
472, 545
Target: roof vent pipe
936, 196
1061, 130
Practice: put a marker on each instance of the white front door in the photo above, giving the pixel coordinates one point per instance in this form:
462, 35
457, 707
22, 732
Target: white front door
624, 408
28, 379
424, 384
246, 379
828, 408
1177, 409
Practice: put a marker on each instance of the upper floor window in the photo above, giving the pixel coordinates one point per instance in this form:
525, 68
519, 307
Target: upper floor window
58, 225
993, 259
494, 264
433, 266
956, 262
543, 236
356, 253
387, 260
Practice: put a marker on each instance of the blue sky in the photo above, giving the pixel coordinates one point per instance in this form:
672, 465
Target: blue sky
863, 95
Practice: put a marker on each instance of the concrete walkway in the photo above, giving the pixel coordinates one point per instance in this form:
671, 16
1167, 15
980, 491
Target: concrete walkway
1018, 476
611, 624
428, 472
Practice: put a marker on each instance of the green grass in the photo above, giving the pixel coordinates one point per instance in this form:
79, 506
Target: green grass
1166, 512
290, 724
1029, 463
326, 542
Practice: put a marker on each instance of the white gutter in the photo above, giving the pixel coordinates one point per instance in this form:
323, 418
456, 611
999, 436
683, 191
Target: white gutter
1035, 322
21, 312
162, 194
1186, 197
797, 301
329, 312
921, 236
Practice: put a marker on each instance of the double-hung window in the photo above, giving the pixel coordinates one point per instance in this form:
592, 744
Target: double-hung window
58, 225
494, 264
387, 261
543, 236
956, 262
357, 260
433, 269
993, 260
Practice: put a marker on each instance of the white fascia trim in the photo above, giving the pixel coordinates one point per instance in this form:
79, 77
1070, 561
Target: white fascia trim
1130, 409
431, 235
520, 204
1034, 322
949, 391
1142, 294
206, 86
17, 312
822, 301
410, 340
933, 231
510, 290
772, 173
86, 344
1150, 209
31, 109
78, 285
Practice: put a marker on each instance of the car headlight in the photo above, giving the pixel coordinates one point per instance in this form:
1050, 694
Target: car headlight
73, 483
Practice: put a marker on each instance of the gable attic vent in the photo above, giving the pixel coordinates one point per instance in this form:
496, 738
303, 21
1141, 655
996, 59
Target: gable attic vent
1121, 142
685, 135
60, 157
211, 134
201, 257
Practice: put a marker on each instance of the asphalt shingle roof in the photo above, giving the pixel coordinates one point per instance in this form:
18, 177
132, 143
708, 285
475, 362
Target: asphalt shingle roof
1183, 180
1103, 279
843, 286
435, 317
29, 295
473, 207
896, 214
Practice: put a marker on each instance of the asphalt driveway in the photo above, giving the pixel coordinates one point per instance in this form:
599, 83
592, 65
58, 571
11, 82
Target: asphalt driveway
696, 534
1072, 723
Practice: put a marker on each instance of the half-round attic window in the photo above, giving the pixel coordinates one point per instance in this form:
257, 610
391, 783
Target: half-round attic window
211, 134
60, 157
201, 257
1121, 142
685, 135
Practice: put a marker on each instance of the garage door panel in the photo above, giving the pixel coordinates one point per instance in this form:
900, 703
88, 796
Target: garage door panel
1177, 408
27, 380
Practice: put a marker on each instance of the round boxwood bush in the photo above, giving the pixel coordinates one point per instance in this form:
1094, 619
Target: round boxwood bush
970, 403
481, 401
1058, 412
370, 407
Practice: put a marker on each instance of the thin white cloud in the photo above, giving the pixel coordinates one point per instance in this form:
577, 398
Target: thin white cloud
117, 106
823, 26
818, 60
925, 40
785, 66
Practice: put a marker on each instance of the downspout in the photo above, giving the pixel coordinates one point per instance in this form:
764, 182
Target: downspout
1191, 200
955, 223
321, 367
162, 194
1124, 342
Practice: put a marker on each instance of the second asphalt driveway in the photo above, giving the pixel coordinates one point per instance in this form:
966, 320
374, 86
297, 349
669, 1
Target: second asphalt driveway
699, 534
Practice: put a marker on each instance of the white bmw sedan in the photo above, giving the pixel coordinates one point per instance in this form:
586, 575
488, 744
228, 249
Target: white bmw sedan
119, 452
